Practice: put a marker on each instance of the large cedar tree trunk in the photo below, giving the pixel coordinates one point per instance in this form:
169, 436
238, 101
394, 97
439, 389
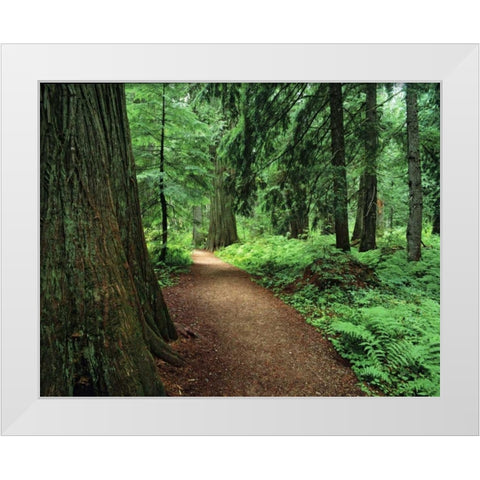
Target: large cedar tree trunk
102, 314
340, 198
368, 237
222, 230
414, 228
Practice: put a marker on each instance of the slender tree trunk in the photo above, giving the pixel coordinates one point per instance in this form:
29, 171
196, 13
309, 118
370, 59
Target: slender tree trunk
198, 236
414, 228
296, 202
222, 229
358, 229
102, 314
391, 219
340, 198
163, 201
368, 238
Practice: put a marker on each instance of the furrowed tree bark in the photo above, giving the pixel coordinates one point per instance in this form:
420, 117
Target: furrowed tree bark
368, 237
222, 230
101, 310
340, 198
414, 228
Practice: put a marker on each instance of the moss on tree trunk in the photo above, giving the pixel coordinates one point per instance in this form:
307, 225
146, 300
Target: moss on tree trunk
100, 301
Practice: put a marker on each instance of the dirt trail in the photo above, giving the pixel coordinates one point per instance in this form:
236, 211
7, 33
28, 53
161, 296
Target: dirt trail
248, 343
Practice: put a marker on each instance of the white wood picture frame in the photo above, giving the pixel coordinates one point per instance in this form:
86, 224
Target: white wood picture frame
455, 412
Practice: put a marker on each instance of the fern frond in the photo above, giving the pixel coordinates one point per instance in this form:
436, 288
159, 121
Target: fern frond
400, 354
372, 374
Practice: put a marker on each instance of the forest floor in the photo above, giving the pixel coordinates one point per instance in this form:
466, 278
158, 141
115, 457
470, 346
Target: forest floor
238, 340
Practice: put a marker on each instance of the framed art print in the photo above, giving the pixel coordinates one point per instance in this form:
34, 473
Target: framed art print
307, 168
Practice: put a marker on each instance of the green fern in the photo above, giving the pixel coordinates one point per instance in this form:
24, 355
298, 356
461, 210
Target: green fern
390, 334
373, 375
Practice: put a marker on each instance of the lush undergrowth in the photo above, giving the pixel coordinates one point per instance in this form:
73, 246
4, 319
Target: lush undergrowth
380, 311
178, 257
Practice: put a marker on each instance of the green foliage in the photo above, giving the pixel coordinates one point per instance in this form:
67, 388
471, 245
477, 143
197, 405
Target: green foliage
274, 142
387, 327
190, 127
178, 257
395, 272
395, 349
274, 259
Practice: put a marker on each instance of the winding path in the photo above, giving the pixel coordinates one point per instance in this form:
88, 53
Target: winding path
238, 339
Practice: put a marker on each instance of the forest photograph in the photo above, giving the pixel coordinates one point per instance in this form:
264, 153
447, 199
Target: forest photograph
240, 239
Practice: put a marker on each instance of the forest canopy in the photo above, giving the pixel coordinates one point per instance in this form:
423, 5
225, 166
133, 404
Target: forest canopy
266, 151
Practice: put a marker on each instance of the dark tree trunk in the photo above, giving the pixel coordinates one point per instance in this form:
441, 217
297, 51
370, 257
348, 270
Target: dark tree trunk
358, 229
163, 201
368, 238
102, 313
414, 228
222, 230
436, 222
340, 198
